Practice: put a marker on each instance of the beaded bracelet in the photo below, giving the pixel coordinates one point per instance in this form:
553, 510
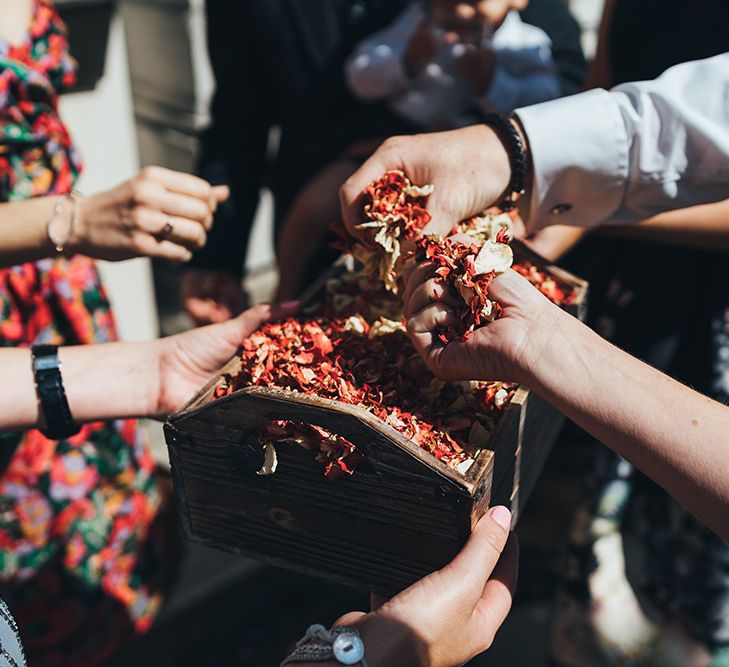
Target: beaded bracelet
342, 644
516, 151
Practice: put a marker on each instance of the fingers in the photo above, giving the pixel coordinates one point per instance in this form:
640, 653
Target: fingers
148, 245
179, 182
351, 194
350, 618
251, 319
178, 194
428, 292
183, 231
183, 206
376, 601
511, 290
163, 236
206, 311
219, 194
286, 309
447, 362
498, 595
414, 275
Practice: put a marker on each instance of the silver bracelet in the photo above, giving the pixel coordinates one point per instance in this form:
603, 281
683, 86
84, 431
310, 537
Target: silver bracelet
59, 242
342, 644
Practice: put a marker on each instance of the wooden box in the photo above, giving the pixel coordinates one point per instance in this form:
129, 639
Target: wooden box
399, 517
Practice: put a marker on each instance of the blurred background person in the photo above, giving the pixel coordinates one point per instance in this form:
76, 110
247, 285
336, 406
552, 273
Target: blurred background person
77, 545
276, 64
325, 127
438, 65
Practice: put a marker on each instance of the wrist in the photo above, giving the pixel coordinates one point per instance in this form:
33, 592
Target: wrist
550, 342
488, 163
524, 204
110, 381
86, 208
388, 641
151, 398
512, 143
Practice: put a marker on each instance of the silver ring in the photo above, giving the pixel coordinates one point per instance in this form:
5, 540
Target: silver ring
167, 230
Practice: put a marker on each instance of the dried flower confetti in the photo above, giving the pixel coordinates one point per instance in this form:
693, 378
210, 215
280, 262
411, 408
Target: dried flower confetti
353, 346
374, 365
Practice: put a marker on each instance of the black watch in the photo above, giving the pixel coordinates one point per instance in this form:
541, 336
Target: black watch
515, 149
51, 395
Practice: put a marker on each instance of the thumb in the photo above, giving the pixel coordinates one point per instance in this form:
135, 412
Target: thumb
469, 571
440, 222
236, 329
350, 619
220, 193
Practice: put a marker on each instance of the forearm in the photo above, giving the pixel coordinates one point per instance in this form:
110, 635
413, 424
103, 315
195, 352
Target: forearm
109, 381
554, 242
670, 432
699, 227
24, 237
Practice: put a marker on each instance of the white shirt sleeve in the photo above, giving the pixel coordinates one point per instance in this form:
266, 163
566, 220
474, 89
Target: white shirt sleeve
376, 69
624, 155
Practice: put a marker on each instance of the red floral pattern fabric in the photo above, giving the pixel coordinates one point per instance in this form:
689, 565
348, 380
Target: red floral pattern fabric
75, 515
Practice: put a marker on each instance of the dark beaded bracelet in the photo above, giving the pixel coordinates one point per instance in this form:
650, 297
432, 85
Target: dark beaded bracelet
516, 151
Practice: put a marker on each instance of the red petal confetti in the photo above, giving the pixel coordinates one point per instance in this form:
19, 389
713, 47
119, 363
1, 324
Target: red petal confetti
394, 210
554, 290
374, 365
455, 267
354, 348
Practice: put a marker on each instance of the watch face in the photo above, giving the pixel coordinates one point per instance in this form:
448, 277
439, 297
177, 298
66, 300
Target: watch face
348, 648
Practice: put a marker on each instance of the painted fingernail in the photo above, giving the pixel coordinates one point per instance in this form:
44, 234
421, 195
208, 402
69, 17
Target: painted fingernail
502, 516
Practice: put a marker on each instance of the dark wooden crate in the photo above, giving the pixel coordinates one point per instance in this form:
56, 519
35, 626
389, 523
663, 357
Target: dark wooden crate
401, 515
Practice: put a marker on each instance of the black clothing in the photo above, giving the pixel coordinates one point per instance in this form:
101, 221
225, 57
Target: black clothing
649, 36
281, 63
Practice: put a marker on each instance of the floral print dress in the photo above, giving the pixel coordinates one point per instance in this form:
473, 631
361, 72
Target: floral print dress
75, 514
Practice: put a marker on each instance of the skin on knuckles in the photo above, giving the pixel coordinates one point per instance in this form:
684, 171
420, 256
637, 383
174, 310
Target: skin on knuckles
498, 350
454, 162
428, 292
128, 220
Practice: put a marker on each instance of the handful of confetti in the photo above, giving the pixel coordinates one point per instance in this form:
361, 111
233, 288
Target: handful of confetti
395, 210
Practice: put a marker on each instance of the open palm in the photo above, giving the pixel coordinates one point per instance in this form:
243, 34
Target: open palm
190, 359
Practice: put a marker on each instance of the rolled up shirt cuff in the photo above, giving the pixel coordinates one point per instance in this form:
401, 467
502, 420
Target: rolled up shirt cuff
580, 152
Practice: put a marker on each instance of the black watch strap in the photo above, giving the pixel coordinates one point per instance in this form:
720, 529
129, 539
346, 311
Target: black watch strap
51, 395
516, 151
